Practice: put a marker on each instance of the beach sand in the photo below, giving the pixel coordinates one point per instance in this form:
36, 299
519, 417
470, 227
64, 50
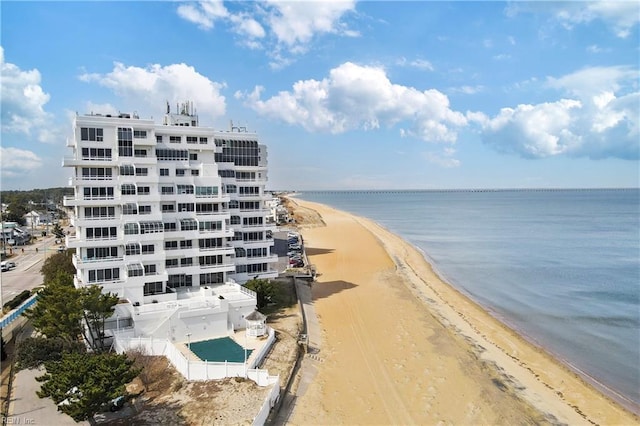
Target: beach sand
400, 346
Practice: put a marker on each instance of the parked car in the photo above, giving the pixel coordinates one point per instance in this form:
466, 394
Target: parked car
7, 265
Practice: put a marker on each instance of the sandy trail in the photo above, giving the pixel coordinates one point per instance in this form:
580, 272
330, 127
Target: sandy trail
402, 347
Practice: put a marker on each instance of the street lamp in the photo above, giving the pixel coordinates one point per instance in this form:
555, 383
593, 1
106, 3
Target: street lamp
189, 341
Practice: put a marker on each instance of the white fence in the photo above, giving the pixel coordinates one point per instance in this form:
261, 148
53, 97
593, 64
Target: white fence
197, 370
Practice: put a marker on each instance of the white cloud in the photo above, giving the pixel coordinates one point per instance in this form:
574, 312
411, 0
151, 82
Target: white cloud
296, 23
153, 86
355, 97
603, 119
18, 162
620, 16
203, 13
282, 26
592, 81
467, 90
502, 57
421, 64
23, 103
443, 159
512, 40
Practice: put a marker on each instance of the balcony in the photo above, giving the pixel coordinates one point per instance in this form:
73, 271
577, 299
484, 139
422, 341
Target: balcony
87, 161
81, 201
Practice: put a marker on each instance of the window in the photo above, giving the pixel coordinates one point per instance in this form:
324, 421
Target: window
144, 210
257, 252
128, 189
235, 220
168, 208
206, 208
186, 244
127, 170
129, 208
132, 249
226, 173
253, 236
142, 171
240, 252
96, 173
131, 228
171, 263
171, 245
125, 142
175, 139
152, 227
98, 193
159, 138
102, 252
249, 190
143, 190
210, 226
180, 172
192, 139
172, 154
166, 190
185, 189
209, 243
188, 225
102, 233
203, 140
140, 134
135, 270
96, 154
230, 189
91, 134
249, 205
206, 191
195, 172
213, 278
99, 212
150, 269
148, 249
179, 281
140, 153
170, 227
164, 172
152, 288
187, 261
252, 221
102, 275
185, 207
193, 156
210, 260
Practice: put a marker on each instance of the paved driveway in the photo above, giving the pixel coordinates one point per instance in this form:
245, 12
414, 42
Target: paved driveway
26, 408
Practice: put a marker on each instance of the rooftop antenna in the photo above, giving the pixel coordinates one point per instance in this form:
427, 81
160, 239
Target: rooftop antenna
168, 108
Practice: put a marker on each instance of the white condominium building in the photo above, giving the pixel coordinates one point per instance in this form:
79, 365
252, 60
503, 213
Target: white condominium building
164, 209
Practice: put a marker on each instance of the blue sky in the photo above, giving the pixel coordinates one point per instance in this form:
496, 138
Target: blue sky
346, 95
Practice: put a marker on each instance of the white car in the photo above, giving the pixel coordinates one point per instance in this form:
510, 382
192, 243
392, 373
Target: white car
7, 265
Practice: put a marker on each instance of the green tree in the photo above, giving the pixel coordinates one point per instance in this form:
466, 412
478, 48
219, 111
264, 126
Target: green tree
86, 382
97, 307
35, 351
264, 291
58, 231
58, 311
15, 213
59, 262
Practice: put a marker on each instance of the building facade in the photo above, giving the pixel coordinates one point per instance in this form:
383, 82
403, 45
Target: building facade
164, 209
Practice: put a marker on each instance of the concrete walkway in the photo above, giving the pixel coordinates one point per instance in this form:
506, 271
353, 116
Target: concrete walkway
308, 365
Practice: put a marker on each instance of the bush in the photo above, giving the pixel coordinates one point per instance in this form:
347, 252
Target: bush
17, 301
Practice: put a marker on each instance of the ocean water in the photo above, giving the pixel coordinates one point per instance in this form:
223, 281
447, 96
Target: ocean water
562, 267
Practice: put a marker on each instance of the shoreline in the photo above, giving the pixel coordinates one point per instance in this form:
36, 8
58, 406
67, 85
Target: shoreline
615, 396
535, 376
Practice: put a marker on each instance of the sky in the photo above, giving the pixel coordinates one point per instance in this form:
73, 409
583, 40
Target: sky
344, 94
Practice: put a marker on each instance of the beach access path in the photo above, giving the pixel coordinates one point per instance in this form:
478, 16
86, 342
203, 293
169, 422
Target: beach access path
399, 346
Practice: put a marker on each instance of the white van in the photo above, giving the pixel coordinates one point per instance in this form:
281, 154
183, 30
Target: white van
7, 265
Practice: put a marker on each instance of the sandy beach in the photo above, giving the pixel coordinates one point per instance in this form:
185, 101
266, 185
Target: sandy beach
400, 346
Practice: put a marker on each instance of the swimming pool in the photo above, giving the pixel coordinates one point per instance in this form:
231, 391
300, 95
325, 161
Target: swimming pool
219, 350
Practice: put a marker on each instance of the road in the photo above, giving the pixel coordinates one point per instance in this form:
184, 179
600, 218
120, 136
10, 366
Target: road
26, 275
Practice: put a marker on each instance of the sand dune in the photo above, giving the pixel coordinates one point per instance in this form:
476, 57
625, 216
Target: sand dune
400, 346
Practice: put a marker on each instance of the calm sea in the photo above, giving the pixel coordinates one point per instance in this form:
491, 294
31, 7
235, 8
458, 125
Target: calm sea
560, 266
